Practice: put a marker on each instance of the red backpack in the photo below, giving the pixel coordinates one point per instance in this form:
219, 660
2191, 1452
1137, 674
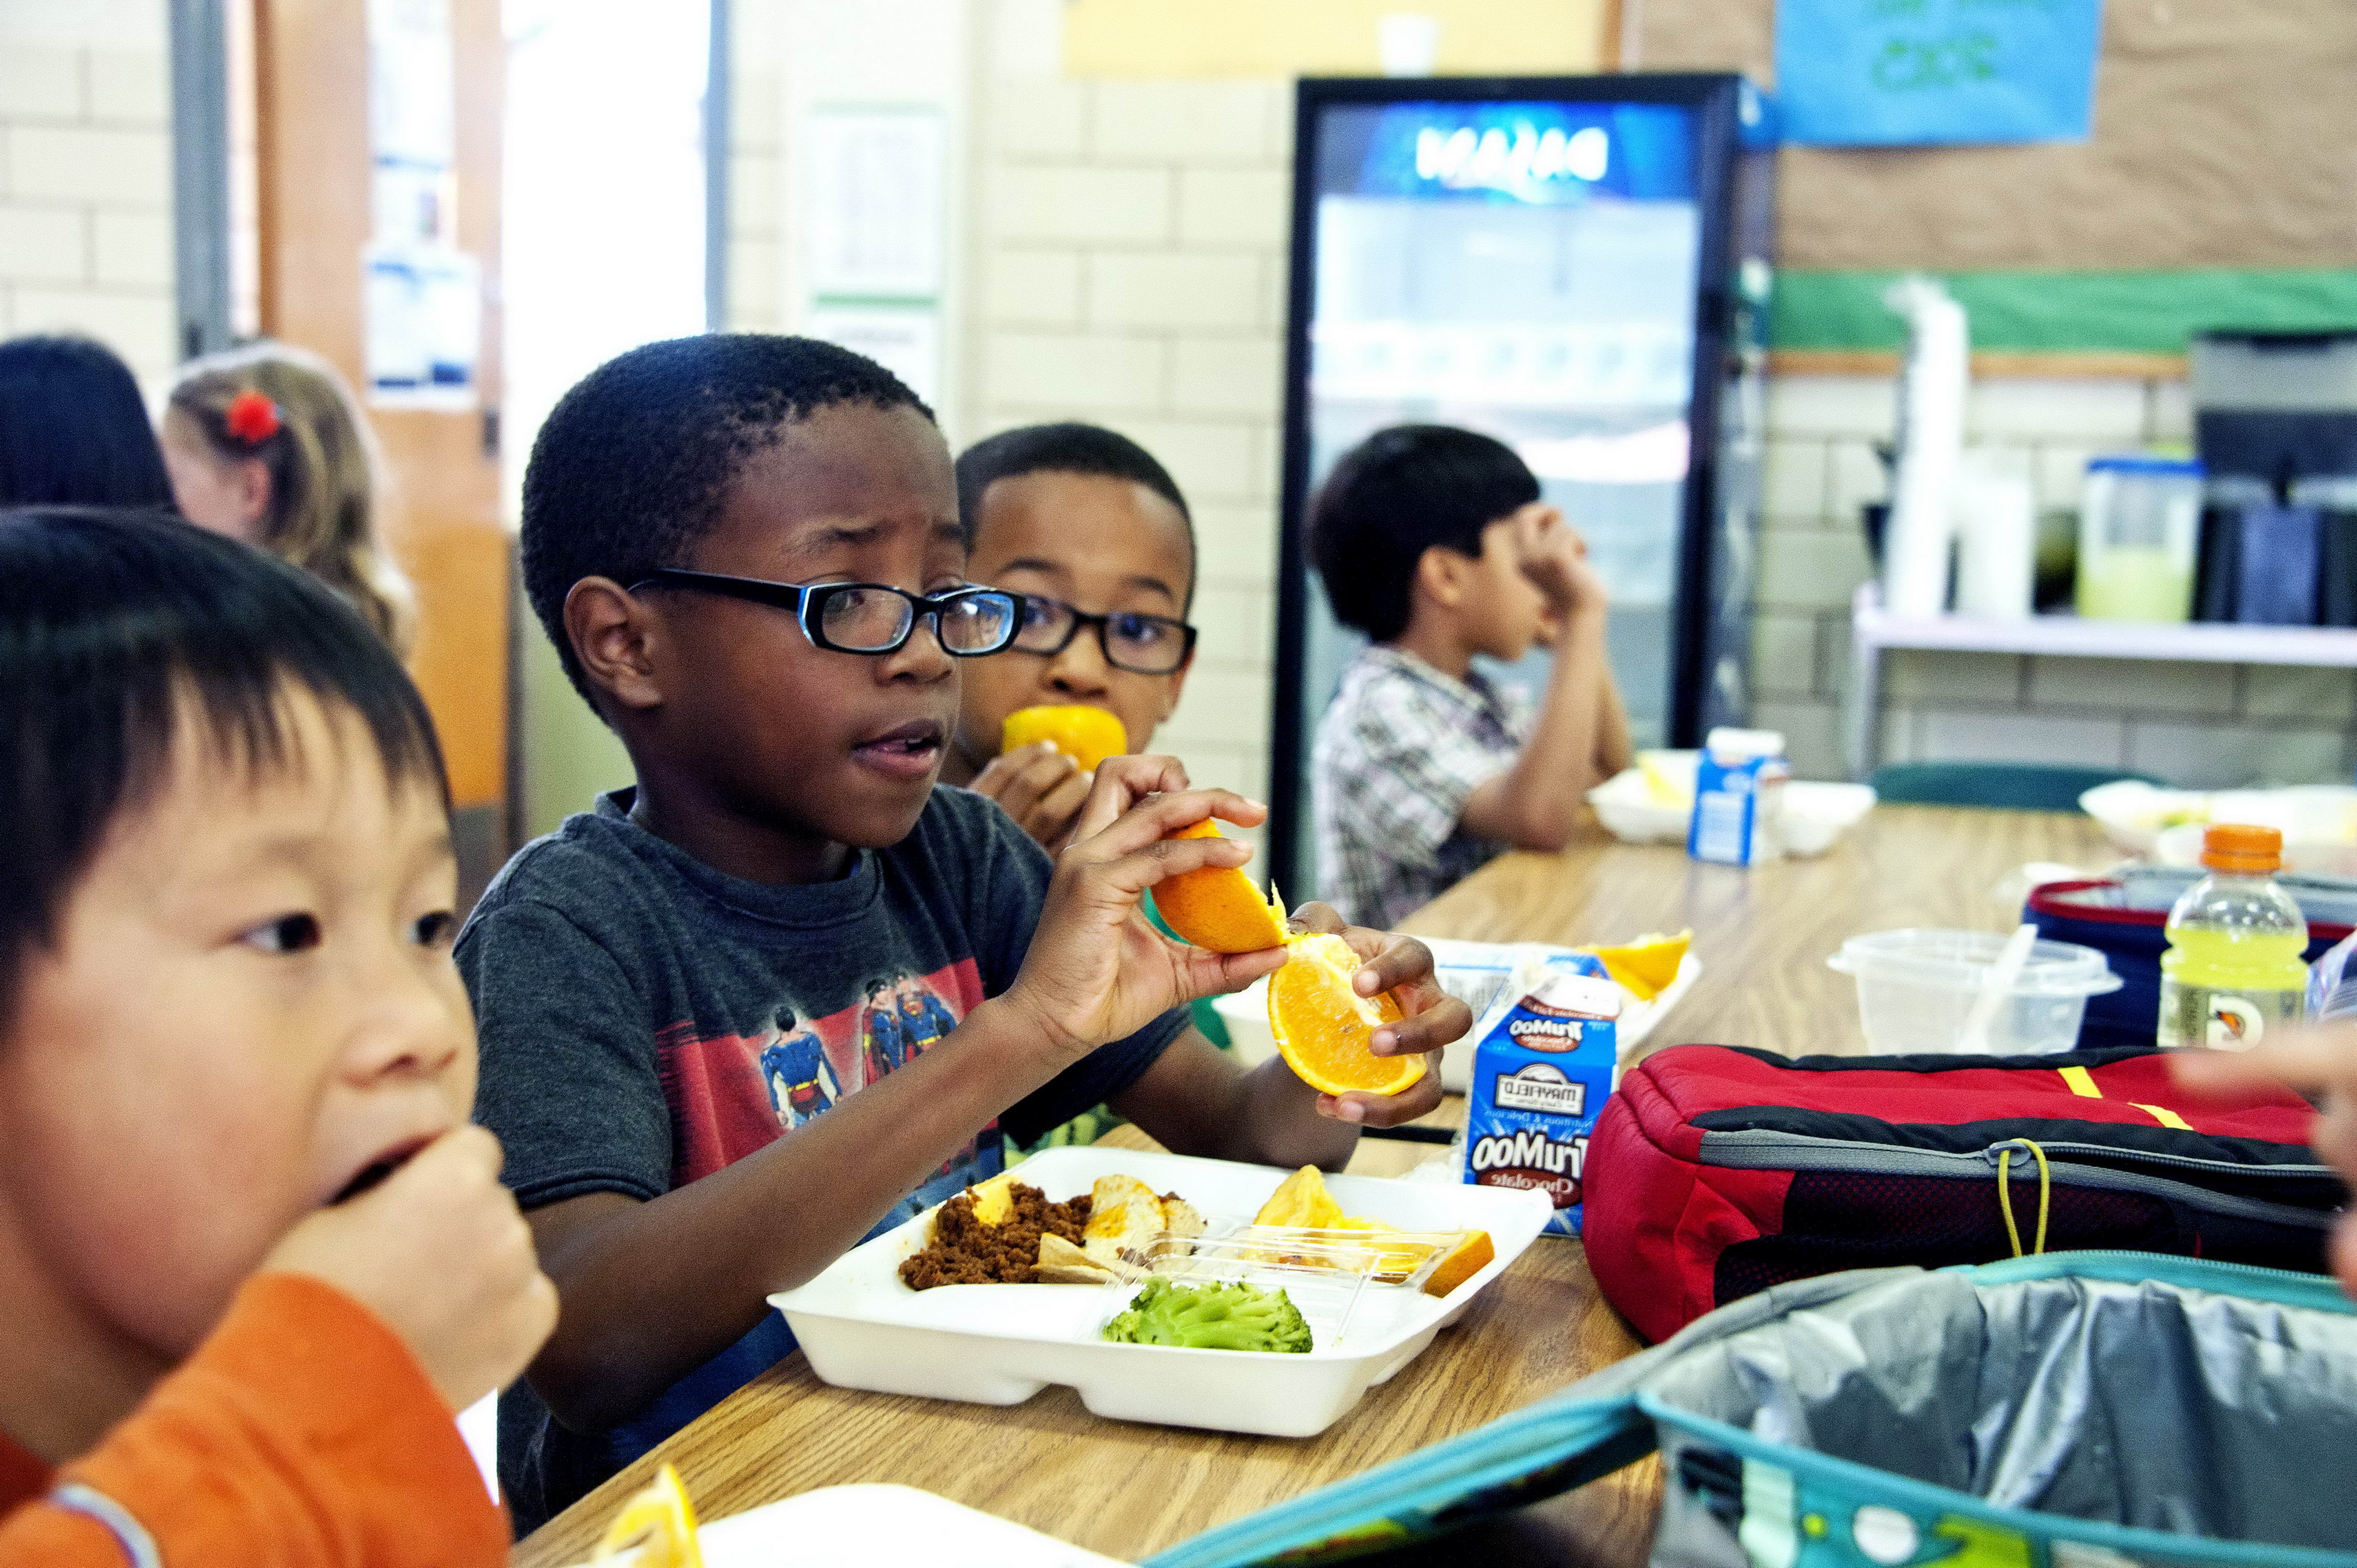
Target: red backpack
1715, 1172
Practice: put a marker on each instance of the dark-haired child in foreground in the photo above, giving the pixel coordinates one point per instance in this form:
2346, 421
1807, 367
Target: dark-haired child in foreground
252, 1256
1094, 533
748, 553
1434, 542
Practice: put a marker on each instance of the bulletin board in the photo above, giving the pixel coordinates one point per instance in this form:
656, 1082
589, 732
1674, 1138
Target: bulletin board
2216, 190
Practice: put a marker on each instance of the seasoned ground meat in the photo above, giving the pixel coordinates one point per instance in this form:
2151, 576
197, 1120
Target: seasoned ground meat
964, 1251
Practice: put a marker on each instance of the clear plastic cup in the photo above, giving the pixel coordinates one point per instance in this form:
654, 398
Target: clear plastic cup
1916, 986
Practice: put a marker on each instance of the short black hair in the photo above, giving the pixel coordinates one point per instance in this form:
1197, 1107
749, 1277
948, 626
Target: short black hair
115, 624
74, 428
1068, 447
633, 464
1395, 495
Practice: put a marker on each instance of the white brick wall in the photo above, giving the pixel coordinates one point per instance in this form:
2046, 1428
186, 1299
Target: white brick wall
86, 176
1129, 269
757, 185
1126, 265
2199, 725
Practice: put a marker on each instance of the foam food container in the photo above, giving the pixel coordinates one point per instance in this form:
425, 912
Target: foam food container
1653, 803
876, 1526
862, 1328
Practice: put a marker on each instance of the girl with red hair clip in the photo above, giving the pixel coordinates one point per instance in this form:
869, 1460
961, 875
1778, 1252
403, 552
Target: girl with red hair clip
265, 444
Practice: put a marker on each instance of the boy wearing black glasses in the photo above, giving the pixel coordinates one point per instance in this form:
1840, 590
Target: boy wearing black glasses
1092, 532
747, 552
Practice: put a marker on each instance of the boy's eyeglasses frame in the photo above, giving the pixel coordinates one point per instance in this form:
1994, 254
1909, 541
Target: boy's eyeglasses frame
808, 607
1079, 618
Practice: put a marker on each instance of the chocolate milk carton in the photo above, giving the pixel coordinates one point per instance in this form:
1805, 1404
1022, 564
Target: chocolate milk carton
1543, 1066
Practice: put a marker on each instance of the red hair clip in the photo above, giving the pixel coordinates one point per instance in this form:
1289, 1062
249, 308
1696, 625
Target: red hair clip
252, 418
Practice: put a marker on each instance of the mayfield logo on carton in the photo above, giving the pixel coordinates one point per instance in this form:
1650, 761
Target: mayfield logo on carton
1543, 1066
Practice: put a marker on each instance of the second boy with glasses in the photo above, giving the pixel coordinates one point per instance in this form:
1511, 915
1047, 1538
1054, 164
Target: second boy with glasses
1093, 535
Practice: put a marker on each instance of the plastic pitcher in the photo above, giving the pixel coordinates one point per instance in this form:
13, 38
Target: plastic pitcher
2139, 530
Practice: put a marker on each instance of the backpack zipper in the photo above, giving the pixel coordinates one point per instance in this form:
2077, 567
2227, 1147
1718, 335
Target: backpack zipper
1759, 1150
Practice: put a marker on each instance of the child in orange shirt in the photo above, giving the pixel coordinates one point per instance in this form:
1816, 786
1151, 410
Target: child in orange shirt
251, 1255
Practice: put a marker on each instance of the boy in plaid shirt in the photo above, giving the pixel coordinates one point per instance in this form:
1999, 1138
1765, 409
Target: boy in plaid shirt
1434, 542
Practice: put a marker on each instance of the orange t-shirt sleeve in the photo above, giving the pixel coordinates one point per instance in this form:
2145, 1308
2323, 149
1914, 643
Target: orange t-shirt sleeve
302, 1432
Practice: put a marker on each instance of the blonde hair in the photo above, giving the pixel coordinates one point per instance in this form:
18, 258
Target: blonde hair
323, 473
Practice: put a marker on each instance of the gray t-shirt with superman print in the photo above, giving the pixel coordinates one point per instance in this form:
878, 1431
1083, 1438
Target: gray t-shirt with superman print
646, 1020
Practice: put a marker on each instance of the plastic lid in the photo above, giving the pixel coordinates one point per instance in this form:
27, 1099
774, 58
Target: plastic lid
1959, 960
2242, 849
2146, 463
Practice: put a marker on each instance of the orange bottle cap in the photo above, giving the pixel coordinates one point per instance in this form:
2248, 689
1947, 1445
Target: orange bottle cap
2238, 847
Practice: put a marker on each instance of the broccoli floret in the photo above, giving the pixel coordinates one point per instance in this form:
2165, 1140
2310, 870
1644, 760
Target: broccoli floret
1226, 1316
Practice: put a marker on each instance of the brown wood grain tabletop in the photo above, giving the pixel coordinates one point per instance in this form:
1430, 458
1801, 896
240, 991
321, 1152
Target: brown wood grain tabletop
1128, 1491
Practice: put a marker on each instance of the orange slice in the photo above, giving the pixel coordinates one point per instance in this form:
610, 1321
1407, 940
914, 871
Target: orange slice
1322, 1025
1465, 1260
1088, 736
1217, 907
1647, 966
660, 1522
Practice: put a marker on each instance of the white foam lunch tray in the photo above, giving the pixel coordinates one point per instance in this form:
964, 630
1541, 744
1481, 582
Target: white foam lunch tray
1653, 804
874, 1525
862, 1328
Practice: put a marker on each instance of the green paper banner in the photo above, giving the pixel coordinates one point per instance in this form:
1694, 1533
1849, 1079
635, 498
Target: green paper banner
2069, 312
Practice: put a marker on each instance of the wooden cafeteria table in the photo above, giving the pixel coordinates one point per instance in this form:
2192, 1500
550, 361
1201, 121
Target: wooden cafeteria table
1129, 1490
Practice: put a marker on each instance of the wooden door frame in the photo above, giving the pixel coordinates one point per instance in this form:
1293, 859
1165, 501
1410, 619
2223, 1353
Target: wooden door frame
440, 506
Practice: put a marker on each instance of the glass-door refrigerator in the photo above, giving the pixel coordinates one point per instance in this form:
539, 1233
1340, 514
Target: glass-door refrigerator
1578, 266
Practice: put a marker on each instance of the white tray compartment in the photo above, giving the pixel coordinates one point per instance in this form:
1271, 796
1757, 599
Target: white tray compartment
1001, 1344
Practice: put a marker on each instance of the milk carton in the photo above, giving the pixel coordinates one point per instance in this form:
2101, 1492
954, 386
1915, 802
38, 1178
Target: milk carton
1543, 1066
1739, 810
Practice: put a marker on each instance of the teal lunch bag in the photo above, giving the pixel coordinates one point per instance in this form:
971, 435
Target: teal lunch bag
2074, 1410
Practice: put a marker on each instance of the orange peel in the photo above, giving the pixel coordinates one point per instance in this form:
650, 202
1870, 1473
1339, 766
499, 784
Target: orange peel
1086, 735
1468, 1257
1217, 906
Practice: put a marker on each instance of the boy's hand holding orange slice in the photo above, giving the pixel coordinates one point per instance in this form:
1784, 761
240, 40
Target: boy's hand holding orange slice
1328, 1003
1097, 970
1356, 1006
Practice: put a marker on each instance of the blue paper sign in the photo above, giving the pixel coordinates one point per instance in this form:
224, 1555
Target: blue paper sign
1909, 73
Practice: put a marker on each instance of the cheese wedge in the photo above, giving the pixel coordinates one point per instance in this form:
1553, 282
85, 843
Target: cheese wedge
993, 1200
